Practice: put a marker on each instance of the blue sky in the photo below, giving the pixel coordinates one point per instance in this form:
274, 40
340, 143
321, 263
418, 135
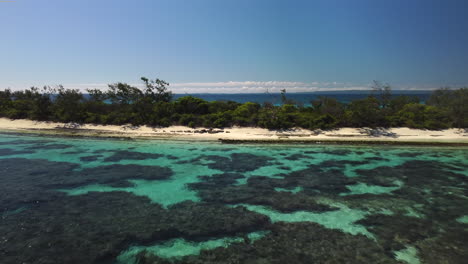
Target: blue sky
235, 45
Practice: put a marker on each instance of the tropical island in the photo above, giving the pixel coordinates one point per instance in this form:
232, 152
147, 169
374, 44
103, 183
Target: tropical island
126, 110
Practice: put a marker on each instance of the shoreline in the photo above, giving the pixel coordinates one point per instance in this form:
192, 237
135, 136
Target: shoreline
238, 135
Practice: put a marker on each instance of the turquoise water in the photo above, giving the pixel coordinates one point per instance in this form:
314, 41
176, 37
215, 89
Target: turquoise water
85, 200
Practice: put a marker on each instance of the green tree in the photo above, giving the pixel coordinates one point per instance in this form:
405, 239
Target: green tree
5, 101
454, 102
383, 92
246, 114
156, 90
422, 116
191, 105
364, 113
69, 105
123, 94
459, 108
328, 106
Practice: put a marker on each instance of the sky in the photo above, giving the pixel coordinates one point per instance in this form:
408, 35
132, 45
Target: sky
235, 45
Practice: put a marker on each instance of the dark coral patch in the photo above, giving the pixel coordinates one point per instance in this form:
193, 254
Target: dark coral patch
171, 157
25, 142
338, 152
315, 180
297, 157
90, 158
49, 146
9, 152
409, 154
131, 155
259, 191
72, 152
311, 152
96, 227
341, 163
448, 247
414, 173
216, 181
117, 175
219, 149
197, 220
394, 232
26, 181
237, 162
376, 159
290, 243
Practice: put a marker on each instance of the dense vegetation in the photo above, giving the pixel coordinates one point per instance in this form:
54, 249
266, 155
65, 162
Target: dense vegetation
122, 103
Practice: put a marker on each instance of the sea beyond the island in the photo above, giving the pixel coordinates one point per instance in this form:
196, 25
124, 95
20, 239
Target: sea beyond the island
301, 98
98, 200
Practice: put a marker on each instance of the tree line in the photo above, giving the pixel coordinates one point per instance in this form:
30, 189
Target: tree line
153, 105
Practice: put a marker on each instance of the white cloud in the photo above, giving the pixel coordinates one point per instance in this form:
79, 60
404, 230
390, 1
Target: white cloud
249, 87
261, 87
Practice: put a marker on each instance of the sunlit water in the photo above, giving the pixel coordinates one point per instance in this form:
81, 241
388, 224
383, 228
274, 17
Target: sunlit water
81, 200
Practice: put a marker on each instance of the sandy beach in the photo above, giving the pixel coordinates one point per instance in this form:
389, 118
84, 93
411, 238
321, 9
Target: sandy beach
243, 134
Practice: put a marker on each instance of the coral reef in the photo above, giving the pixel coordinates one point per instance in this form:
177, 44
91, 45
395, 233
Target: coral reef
237, 162
290, 243
49, 146
26, 181
10, 152
241, 204
96, 227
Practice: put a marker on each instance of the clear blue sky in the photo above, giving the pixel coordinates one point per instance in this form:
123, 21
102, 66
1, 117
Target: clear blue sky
409, 43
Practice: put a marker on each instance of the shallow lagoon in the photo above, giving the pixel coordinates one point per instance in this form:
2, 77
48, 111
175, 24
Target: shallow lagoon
79, 200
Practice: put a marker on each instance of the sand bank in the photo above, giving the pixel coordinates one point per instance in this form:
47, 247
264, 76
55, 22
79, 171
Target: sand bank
244, 134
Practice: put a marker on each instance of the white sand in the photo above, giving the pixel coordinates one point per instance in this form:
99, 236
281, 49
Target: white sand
395, 135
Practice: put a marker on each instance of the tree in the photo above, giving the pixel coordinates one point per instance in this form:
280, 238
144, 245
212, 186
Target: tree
5, 101
422, 116
157, 90
383, 92
454, 101
397, 103
364, 113
123, 94
68, 105
285, 100
96, 95
191, 105
328, 106
246, 114
441, 97
41, 102
459, 108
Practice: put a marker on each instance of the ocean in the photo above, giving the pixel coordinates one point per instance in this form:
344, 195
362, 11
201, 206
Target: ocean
301, 98
91, 200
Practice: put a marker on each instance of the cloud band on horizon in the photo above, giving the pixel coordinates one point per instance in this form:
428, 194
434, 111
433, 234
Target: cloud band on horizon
249, 87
